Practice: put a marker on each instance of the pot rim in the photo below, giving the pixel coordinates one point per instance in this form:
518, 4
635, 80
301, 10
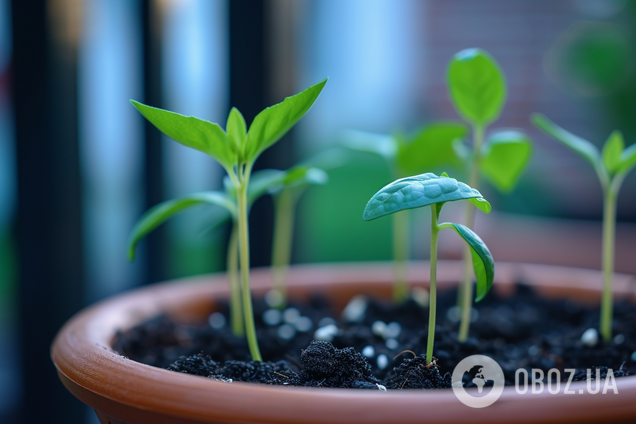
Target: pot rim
102, 378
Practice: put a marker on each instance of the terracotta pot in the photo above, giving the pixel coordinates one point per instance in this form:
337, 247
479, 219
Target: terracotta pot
123, 391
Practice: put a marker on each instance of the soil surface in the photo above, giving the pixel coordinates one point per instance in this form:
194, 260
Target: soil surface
377, 345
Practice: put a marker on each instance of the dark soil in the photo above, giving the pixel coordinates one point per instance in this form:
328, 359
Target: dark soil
385, 346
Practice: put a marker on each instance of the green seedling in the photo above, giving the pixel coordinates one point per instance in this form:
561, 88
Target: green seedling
430, 190
237, 150
286, 195
478, 91
261, 182
429, 148
612, 166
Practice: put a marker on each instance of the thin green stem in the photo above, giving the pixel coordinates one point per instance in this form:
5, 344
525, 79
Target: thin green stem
244, 256
400, 256
433, 289
236, 309
283, 237
465, 294
609, 230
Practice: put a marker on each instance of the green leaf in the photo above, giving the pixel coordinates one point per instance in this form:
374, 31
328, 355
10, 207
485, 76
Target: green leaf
612, 151
236, 131
303, 175
420, 190
158, 214
477, 86
382, 145
431, 148
627, 159
504, 157
274, 122
196, 133
483, 263
579, 145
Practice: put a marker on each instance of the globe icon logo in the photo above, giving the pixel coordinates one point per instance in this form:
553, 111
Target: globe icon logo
485, 373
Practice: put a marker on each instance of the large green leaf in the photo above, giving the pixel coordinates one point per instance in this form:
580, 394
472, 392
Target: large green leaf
196, 133
504, 157
431, 148
627, 159
612, 150
576, 143
382, 145
272, 123
420, 190
158, 214
477, 86
483, 263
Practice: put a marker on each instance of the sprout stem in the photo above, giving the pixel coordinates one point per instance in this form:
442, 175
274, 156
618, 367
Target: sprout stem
609, 229
400, 256
433, 289
236, 309
283, 235
244, 256
465, 295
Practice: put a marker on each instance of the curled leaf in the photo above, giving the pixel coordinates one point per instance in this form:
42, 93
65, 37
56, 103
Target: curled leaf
483, 263
420, 190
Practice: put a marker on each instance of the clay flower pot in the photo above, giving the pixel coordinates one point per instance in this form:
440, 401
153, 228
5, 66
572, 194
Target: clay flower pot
123, 391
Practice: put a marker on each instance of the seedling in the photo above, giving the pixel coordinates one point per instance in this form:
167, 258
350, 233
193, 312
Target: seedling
612, 166
429, 189
478, 91
286, 195
429, 148
261, 182
237, 150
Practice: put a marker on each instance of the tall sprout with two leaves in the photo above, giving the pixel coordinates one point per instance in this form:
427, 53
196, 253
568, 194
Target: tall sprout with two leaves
478, 91
237, 150
261, 182
612, 165
430, 190
428, 149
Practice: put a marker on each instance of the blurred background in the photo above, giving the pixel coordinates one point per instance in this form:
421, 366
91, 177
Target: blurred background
78, 165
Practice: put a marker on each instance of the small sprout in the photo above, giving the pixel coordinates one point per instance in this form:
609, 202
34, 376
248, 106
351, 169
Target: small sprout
477, 88
612, 166
431, 147
430, 190
590, 337
236, 149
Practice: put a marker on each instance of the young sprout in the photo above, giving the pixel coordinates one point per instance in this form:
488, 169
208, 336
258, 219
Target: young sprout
429, 148
261, 182
286, 194
612, 166
478, 91
237, 150
429, 189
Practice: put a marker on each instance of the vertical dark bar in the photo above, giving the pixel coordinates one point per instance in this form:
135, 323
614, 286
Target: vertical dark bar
153, 175
49, 224
248, 79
